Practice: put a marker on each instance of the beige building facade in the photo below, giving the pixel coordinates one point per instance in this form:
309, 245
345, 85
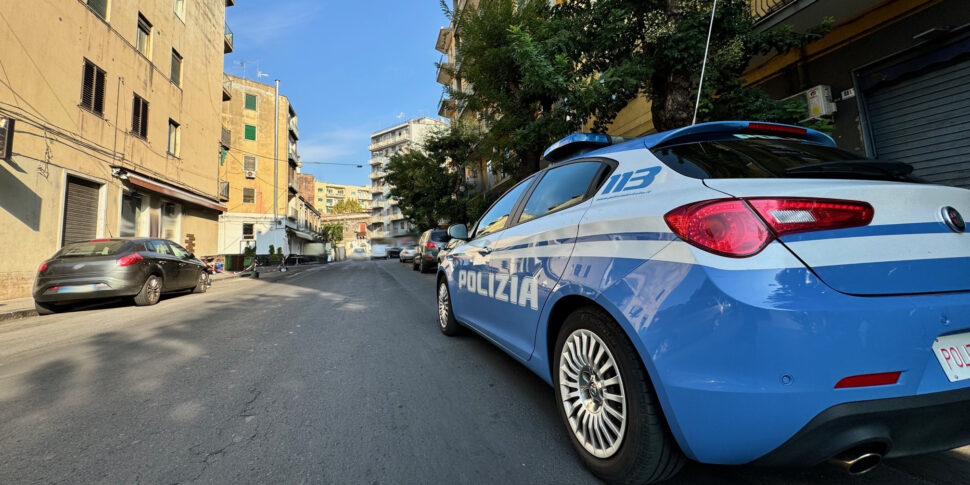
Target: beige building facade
387, 221
260, 184
328, 195
109, 126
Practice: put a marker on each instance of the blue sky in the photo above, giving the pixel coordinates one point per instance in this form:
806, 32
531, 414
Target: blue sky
348, 67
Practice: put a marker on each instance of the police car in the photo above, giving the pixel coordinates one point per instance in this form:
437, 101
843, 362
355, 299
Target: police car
731, 293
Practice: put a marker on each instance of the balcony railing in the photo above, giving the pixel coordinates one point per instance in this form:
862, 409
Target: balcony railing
763, 8
378, 175
445, 36
228, 40
293, 128
446, 73
226, 138
226, 88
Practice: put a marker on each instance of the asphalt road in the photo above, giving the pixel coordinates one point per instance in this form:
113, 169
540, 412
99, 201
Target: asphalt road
337, 374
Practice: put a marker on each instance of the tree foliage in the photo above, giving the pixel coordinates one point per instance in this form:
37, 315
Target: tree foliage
624, 48
332, 232
429, 181
347, 206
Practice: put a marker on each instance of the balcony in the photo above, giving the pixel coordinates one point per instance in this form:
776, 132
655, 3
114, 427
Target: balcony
446, 71
293, 128
228, 40
378, 234
763, 8
378, 175
396, 217
386, 142
223, 191
447, 107
230, 3
392, 201
291, 154
445, 38
293, 187
226, 139
226, 88
378, 160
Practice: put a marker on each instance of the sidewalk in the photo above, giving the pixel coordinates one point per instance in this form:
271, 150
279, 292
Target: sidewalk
24, 307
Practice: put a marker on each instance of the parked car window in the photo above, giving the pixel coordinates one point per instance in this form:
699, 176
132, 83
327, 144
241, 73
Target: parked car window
560, 188
159, 247
439, 236
179, 251
743, 156
494, 220
90, 248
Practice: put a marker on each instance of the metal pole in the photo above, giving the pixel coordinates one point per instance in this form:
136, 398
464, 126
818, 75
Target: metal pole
707, 46
276, 157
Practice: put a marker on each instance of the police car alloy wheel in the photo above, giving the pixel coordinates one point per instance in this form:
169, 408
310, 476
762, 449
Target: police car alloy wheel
608, 405
446, 319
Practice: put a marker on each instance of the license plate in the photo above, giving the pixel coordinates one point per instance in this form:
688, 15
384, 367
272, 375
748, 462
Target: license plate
953, 352
77, 289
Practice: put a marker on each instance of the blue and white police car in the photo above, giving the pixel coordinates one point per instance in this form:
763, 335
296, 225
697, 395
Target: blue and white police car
731, 293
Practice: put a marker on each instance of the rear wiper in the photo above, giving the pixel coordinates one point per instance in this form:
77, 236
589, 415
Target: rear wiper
892, 169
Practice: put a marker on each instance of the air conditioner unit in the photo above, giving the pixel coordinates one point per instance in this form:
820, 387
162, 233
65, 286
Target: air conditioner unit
818, 102
250, 174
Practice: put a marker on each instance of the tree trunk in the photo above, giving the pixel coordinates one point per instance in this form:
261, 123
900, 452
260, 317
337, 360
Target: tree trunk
672, 105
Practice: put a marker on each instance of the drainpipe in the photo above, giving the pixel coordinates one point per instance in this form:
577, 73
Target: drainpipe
276, 159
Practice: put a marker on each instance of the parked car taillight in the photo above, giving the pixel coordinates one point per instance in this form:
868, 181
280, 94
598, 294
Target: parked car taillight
129, 259
42, 267
739, 228
431, 245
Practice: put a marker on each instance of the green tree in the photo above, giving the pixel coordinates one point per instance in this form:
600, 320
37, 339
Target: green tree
347, 206
429, 181
332, 232
624, 48
507, 54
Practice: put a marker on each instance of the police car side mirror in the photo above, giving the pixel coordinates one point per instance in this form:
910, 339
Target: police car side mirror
458, 231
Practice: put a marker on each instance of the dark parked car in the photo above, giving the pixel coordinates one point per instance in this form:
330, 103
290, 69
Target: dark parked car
141, 268
430, 242
394, 252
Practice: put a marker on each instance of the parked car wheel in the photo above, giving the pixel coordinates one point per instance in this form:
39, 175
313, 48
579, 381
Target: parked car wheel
202, 285
45, 308
414, 265
608, 405
423, 266
446, 318
150, 292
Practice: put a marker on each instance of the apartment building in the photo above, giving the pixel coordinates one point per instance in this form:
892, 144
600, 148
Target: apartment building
260, 175
387, 221
109, 126
329, 195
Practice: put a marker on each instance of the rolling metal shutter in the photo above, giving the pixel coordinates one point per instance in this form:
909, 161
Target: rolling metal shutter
925, 121
80, 210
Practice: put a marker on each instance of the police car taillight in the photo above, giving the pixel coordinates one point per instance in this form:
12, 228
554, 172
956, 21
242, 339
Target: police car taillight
739, 228
727, 227
794, 215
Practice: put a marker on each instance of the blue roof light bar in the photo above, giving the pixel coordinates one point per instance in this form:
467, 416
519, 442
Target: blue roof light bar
577, 144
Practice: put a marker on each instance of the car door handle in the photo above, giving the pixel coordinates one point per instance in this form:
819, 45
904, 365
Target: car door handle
486, 250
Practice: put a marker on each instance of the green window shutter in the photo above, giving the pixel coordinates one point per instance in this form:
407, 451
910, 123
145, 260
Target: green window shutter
250, 132
251, 102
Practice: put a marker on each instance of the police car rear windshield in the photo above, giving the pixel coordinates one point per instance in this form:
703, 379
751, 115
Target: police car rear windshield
758, 156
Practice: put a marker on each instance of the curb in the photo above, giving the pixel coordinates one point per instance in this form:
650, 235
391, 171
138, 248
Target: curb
18, 314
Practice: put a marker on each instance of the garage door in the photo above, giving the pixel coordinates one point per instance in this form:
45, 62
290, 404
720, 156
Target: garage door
925, 121
80, 210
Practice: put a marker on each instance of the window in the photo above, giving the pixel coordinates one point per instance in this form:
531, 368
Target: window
174, 138
560, 188
319, 199
250, 132
251, 102
143, 37
99, 7
179, 251
249, 196
6, 138
176, 74
160, 247
248, 231
249, 163
494, 220
319, 190
92, 88
139, 117
180, 9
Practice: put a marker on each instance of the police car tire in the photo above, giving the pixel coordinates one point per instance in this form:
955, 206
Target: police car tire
452, 327
648, 453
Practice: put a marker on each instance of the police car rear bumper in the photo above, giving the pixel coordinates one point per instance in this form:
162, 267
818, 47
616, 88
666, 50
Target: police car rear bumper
743, 361
896, 427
